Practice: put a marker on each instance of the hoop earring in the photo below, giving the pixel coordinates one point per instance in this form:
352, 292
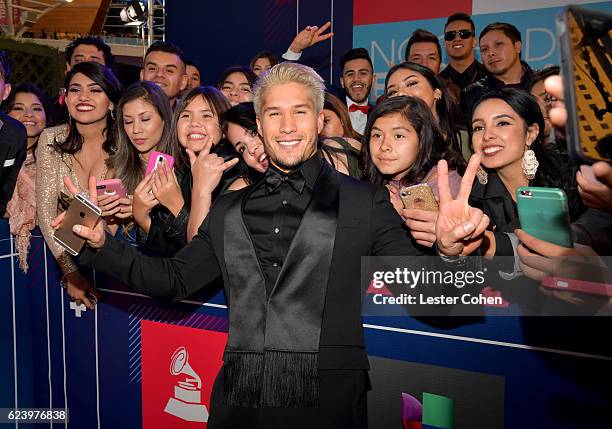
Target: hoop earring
530, 164
482, 176
112, 115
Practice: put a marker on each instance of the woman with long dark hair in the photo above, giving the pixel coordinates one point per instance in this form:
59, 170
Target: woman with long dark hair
506, 129
26, 103
340, 143
262, 62
77, 150
161, 200
402, 147
197, 125
240, 130
417, 81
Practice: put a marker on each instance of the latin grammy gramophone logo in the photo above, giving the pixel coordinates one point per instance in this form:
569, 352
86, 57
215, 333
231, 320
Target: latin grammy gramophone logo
186, 403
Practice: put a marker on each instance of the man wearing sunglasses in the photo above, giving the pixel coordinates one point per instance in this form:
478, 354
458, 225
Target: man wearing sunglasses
460, 41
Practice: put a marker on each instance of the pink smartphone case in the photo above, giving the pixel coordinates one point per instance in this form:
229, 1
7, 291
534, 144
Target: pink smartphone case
112, 187
582, 286
155, 157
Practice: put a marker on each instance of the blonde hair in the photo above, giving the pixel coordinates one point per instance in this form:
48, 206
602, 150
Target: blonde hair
290, 73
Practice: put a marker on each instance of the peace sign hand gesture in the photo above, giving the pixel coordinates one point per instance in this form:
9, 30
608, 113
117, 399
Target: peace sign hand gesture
460, 227
311, 35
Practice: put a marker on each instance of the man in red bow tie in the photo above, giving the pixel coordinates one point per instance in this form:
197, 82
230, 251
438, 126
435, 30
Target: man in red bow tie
356, 108
356, 80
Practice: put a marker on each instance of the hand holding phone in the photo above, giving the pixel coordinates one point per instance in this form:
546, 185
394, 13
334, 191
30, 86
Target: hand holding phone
156, 159
81, 212
419, 197
111, 187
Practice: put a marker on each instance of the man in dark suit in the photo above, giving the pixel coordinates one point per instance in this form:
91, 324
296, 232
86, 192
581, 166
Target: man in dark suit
288, 249
13, 139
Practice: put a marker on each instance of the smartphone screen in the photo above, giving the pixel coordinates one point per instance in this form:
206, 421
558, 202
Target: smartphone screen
589, 100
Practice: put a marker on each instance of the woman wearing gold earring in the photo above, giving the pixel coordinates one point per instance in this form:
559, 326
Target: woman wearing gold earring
506, 131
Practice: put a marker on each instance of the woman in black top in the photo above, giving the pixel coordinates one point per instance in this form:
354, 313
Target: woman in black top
506, 131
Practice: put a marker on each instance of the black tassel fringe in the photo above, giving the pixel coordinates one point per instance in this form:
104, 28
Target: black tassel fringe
242, 371
290, 380
274, 379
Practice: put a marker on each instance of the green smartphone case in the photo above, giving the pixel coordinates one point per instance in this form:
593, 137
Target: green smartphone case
544, 214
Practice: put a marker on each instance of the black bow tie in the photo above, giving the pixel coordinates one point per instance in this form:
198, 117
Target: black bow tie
295, 179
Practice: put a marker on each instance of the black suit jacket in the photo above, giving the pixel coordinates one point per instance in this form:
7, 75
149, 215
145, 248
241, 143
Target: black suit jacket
13, 143
367, 224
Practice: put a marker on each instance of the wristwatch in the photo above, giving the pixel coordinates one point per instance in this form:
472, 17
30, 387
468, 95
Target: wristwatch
457, 260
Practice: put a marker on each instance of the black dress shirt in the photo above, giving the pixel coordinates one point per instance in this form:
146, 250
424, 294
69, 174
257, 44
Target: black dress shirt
273, 216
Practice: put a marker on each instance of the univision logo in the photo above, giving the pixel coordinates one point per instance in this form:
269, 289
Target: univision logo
435, 412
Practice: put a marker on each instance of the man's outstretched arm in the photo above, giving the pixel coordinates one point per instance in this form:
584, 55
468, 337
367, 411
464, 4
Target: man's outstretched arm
176, 278
192, 268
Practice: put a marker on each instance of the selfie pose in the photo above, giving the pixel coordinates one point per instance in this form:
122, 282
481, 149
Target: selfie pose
506, 129
288, 246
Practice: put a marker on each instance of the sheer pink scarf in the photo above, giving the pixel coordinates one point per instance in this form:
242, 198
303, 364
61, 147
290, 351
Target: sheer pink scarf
22, 210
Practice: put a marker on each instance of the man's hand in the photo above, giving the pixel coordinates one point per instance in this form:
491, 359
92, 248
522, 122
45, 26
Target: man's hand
311, 35
458, 224
558, 113
94, 236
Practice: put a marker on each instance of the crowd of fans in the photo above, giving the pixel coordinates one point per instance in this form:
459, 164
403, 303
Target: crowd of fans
500, 109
